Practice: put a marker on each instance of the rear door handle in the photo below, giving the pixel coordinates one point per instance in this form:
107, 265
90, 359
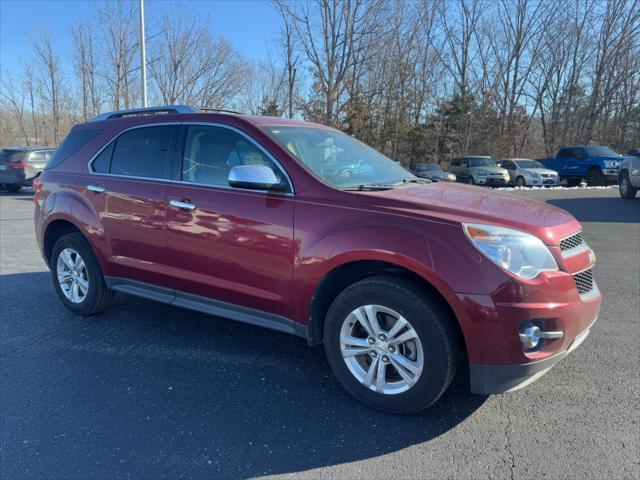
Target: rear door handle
183, 205
96, 188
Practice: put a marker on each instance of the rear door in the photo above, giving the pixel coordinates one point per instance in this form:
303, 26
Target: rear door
126, 187
230, 245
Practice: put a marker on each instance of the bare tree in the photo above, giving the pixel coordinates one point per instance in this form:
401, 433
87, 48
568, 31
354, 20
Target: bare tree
52, 78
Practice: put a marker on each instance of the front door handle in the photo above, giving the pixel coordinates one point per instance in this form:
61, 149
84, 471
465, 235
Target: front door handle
96, 188
183, 205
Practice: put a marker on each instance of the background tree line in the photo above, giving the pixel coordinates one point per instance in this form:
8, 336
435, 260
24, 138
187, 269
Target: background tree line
420, 80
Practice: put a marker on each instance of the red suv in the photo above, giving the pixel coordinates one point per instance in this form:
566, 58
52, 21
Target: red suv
303, 229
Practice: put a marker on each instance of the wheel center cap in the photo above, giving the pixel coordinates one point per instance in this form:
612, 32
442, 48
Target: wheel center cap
381, 346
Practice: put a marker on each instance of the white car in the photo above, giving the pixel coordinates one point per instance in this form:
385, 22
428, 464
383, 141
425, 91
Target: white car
525, 172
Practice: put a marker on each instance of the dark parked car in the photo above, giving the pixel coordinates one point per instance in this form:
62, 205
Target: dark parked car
433, 172
20, 165
256, 219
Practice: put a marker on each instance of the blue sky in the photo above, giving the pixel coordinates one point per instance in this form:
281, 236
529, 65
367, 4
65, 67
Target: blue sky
250, 25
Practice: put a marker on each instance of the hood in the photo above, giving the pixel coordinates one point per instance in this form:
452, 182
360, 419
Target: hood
466, 203
498, 170
539, 170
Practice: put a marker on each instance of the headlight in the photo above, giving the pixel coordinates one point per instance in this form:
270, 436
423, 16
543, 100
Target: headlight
611, 164
452, 176
517, 252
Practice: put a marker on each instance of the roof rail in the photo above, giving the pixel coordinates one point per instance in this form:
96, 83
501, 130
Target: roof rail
220, 110
146, 111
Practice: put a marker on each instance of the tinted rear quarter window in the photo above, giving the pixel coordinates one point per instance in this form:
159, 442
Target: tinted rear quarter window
71, 144
143, 152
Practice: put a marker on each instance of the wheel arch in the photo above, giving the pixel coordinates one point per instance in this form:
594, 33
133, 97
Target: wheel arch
346, 274
53, 231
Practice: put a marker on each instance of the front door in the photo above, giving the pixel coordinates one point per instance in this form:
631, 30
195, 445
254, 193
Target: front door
227, 244
126, 187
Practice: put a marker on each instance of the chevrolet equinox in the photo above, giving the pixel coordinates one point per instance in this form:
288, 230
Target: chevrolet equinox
303, 229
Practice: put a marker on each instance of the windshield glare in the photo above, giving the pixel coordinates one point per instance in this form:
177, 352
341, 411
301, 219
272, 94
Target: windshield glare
338, 159
600, 152
482, 162
529, 164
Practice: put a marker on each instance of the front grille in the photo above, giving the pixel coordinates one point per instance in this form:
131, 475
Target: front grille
571, 242
584, 281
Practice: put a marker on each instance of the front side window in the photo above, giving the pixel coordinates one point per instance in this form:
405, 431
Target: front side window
211, 152
338, 159
141, 152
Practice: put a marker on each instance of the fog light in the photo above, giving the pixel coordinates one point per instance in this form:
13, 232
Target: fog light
529, 335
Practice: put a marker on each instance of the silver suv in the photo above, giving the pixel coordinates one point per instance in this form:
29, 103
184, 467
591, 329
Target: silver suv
478, 170
629, 175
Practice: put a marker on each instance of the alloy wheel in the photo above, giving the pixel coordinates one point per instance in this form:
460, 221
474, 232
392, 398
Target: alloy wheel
381, 349
73, 277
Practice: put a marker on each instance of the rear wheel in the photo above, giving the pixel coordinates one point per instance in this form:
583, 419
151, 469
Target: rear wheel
574, 182
77, 277
626, 189
390, 344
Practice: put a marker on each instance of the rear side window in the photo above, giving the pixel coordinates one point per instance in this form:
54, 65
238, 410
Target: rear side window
71, 144
143, 152
565, 153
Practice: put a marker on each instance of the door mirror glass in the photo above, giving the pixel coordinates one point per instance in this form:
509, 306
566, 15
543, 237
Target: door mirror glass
255, 177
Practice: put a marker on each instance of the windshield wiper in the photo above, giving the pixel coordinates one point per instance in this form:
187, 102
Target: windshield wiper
371, 186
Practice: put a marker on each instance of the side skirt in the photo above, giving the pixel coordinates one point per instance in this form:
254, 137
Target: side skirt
207, 305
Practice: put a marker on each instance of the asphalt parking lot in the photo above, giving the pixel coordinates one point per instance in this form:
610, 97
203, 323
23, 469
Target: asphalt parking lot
152, 391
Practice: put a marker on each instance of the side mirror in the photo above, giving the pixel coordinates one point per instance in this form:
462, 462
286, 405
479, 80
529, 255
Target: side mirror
254, 177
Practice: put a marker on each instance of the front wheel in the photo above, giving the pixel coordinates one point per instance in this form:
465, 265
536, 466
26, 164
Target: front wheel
595, 178
77, 277
520, 182
390, 344
470, 180
626, 189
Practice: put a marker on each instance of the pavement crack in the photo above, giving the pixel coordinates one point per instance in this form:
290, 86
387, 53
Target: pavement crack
507, 435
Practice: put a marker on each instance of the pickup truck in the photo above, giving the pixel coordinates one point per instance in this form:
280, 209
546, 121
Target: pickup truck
597, 165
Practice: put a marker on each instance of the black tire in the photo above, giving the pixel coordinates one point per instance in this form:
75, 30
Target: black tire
626, 189
470, 180
520, 182
98, 296
431, 322
574, 182
595, 178
13, 187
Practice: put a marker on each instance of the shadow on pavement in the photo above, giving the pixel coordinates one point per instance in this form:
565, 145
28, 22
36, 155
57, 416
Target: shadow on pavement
599, 209
147, 390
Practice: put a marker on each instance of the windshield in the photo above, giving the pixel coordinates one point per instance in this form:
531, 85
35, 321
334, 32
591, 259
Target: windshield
482, 162
430, 167
338, 159
529, 164
600, 152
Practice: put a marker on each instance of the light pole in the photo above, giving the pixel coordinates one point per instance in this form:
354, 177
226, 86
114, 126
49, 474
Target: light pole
143, 61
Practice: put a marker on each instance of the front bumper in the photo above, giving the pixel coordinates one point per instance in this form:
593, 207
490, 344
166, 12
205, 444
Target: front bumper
493, 379
491, 181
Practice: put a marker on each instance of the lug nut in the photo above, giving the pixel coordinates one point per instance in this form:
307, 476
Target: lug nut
385, 359
392, 349
382, 336
374, 354
371, 340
